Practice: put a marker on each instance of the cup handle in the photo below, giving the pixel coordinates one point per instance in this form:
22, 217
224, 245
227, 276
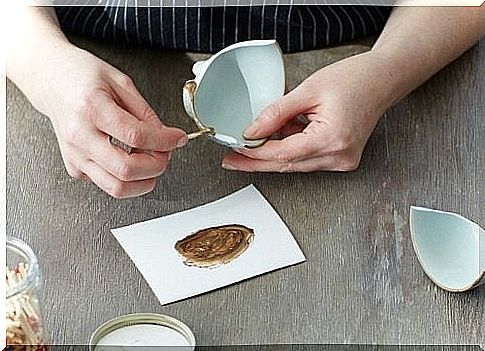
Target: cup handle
188, 97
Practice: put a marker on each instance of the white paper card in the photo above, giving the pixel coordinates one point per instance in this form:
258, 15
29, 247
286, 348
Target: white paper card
151, 244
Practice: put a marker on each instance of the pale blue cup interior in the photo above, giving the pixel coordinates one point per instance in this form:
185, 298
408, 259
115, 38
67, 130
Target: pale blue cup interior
236, 87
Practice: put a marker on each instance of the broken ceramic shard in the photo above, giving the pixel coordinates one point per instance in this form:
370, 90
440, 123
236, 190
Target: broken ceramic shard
232, 87
215, 246
450, 248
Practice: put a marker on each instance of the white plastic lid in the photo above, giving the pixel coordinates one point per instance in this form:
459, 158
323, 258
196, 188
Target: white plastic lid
148, 335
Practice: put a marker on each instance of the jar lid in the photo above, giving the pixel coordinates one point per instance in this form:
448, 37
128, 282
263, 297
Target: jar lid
143, 329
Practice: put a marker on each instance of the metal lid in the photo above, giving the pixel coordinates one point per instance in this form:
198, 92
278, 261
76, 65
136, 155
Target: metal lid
143, 329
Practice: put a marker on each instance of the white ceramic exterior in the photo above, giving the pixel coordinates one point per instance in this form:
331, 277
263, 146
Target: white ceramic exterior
232, 87
450, 248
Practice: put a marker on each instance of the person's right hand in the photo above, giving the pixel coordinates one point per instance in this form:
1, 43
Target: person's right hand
88, 101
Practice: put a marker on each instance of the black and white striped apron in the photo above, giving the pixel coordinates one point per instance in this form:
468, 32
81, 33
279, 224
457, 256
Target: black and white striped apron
209, 29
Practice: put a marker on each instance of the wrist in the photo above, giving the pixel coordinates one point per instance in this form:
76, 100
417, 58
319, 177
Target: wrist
35, 70
32, 45
392, 80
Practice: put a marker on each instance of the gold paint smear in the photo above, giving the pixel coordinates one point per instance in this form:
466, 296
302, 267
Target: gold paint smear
214, 246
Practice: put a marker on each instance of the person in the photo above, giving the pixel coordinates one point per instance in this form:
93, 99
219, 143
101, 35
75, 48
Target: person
88, 100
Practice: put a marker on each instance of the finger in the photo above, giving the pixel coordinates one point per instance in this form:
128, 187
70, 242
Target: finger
277, 114
72, 158
115, 187
296, 147
74, 172
114, 121
131, 100
324, 163
290, 128
124, 166
86, 178
238, 162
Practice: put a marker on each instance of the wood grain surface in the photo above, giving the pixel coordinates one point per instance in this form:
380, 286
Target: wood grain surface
361, 283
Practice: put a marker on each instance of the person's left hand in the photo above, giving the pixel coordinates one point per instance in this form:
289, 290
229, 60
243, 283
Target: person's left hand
342, 103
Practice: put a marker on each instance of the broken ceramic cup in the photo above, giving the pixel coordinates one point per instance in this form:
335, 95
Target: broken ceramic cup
232, 87
450, 248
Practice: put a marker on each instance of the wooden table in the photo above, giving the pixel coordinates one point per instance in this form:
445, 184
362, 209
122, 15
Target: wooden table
361, 283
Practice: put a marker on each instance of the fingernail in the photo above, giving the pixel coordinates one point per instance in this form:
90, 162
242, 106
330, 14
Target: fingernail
251, 130
228, 167
182, 141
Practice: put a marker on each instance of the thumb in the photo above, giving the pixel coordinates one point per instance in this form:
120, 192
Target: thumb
169, 138
277, 114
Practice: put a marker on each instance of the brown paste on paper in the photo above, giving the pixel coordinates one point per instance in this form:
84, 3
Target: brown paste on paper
214, 246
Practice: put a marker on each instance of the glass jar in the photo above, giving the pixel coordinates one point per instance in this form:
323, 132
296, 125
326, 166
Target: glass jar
23, 304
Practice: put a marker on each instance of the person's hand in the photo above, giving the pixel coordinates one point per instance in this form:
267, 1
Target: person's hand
342, 103
88, 101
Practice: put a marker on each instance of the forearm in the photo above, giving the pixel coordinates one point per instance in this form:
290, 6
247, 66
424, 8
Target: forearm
419, 41
35, 42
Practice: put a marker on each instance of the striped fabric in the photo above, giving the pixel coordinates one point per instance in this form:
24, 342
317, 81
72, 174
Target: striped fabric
209, 29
